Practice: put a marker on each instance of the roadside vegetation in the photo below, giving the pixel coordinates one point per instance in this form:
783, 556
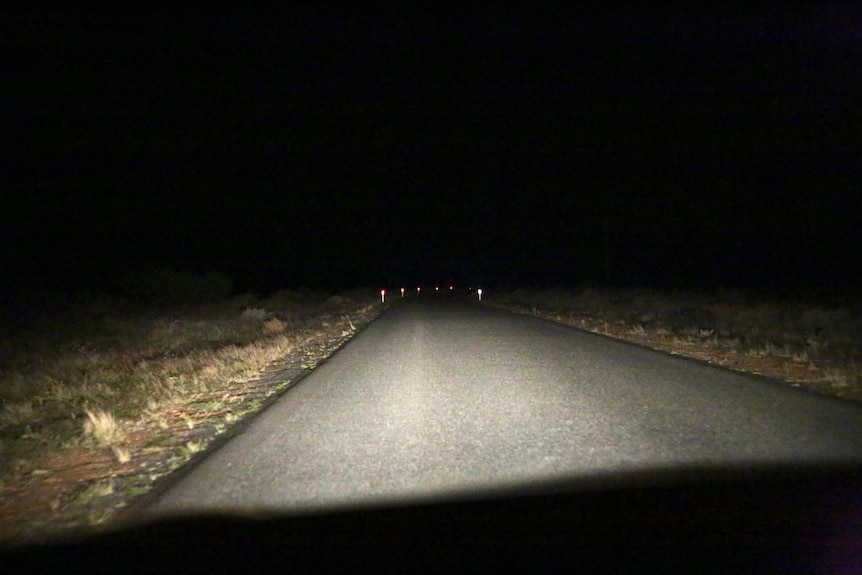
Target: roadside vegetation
101, 395
817, 345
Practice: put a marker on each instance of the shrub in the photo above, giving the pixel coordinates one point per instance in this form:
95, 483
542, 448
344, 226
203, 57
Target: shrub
285, 299
335, 300
253, 314
168, 287
274, 325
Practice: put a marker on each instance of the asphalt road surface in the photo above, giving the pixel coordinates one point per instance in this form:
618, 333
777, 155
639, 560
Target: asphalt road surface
441, 396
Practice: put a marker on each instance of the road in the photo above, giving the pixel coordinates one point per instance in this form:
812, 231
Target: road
443, 396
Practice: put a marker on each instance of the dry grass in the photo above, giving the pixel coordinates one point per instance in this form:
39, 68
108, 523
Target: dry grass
122, 454
127, 362
825, 337
103, 426
85, 370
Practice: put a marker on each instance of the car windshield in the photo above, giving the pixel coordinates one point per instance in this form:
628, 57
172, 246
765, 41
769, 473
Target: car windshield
307, 262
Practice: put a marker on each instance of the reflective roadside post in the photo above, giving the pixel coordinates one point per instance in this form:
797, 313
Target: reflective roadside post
383, 296
479, 291
402, 293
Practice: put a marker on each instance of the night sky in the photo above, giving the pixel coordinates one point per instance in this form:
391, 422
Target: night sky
692, 147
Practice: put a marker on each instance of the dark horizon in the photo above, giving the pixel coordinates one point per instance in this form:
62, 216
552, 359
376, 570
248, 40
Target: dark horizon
697, 148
